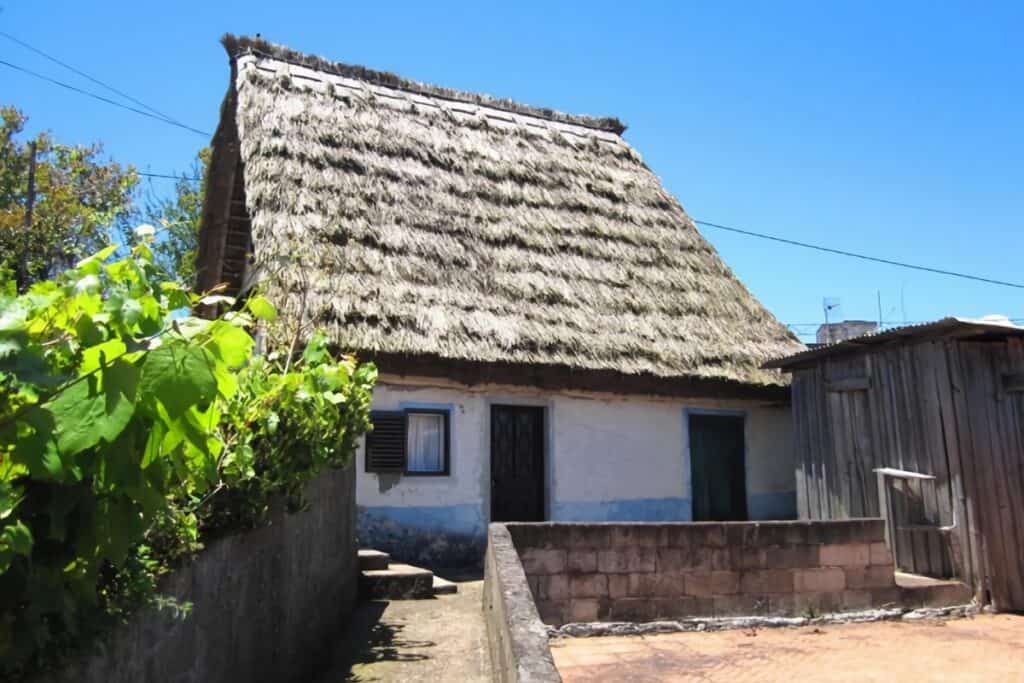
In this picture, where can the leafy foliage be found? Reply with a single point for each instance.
(176, 218)
(77, 197)
(130, 431)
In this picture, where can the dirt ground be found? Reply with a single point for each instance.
(420, 641)
(984, 648)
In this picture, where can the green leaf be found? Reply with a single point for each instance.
(18, 538)
(100, 355)
(231, 344)
(131, 311)
(118, 523)
(97, 408)
(96, 259)
(262, 308)
(179, 376)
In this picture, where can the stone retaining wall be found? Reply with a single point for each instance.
(516, 638)
(268, 606)
(581, 572)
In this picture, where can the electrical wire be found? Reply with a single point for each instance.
(863, 257)
(101, 98)
(95, 80)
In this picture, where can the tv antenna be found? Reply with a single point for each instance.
(829, 304)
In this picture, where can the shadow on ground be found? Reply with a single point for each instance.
(413, 641)
(371, 641)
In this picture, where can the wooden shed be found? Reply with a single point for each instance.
(923, 425)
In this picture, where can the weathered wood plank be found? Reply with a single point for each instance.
(936, 495)
(800, 442)
(823, 440)
(962, 564)
(1010, 461)
(981, 394)
(973, 495)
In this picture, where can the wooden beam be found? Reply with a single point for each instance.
(220, 184)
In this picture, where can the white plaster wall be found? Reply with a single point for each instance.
(599, 448)
(770, 458)
(617, 448)
(469, 452)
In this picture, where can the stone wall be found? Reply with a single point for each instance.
(516, 638)
(267, 605)
(645, 572)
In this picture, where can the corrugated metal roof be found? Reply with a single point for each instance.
(990, 328)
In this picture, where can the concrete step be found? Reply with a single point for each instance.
(397, 582)
(444, 587)
(924, 591)
(373, 559)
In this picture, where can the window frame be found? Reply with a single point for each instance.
(445, 414)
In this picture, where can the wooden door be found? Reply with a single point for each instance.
(717, 468)
(517, 464)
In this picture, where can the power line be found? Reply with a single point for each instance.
(862, 257)
(91, 78)
(101, 98)
(168, 176)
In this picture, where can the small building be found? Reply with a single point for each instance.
(555, 338)
(923, 425)
(830, 333)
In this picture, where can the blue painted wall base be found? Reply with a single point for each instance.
(427, 536)
(630, 510)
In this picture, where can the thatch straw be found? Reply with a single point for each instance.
(432, 224)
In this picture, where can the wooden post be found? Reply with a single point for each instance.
(884, 511)
(21, 274)
(30, 198)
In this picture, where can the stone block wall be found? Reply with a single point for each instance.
(581, 572)
(268, 606)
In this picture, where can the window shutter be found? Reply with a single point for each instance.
(385, 444)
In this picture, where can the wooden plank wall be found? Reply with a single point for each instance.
(914, 412)
(993, 417)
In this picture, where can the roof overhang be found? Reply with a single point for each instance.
(950, 328)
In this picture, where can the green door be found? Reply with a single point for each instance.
(717, 468)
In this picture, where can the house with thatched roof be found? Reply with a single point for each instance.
(556, 340)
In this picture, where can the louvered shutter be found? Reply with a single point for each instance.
(385, 444)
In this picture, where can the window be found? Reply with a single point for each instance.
(413, 442)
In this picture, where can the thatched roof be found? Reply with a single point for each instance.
(432, 223)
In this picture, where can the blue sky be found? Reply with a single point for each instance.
(891, 130)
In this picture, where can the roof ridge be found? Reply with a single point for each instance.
(237, 46)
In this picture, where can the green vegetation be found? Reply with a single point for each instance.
(177, 220)
(75, 199)
(74, 203)
(130, 432)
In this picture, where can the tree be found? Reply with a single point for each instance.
(177, 221)
(74, 199)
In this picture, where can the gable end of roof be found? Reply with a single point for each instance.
(238, 46)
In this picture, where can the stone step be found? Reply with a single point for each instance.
(444, 587)
(923, 591)
(397, 582)
(373, 559)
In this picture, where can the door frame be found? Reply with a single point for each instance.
(547, 447)
(688, 460)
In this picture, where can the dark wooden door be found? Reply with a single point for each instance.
(717, 469)
(517, 464)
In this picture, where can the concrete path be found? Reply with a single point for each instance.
(430, 641)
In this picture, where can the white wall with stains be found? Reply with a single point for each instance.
(608, 458)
